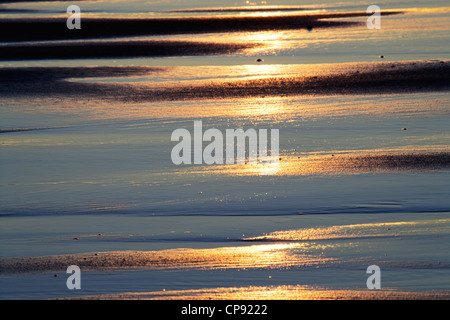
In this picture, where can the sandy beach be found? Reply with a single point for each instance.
(87, 178)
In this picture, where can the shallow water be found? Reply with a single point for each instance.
(362, 177)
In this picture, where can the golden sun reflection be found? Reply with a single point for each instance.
(341, 162)
(273, 41)
(401, 228)
(266, 169)
(270, 256)
(270, 108)
(281, 292)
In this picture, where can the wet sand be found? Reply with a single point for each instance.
(102, 194)
(306, 250)
(50, 29)
(218, 258)
(341, 163)
(361, 78)
(273, 293)
(297, 248)
(118, 49)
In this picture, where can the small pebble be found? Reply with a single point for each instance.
(259, 60)
(403, 128)
(381, 57)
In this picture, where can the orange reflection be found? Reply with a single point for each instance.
(342, 162)
(240, 257)
(273, 41)
(359, 231)
(283, 292)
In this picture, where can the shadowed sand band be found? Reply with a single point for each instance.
(264, 8)
(118, 49)
(55, 28)
(361, 78)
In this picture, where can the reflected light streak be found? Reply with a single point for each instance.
(241, 257)
(359, 231)
(281, 292)
(273, 41)
(339, 163)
